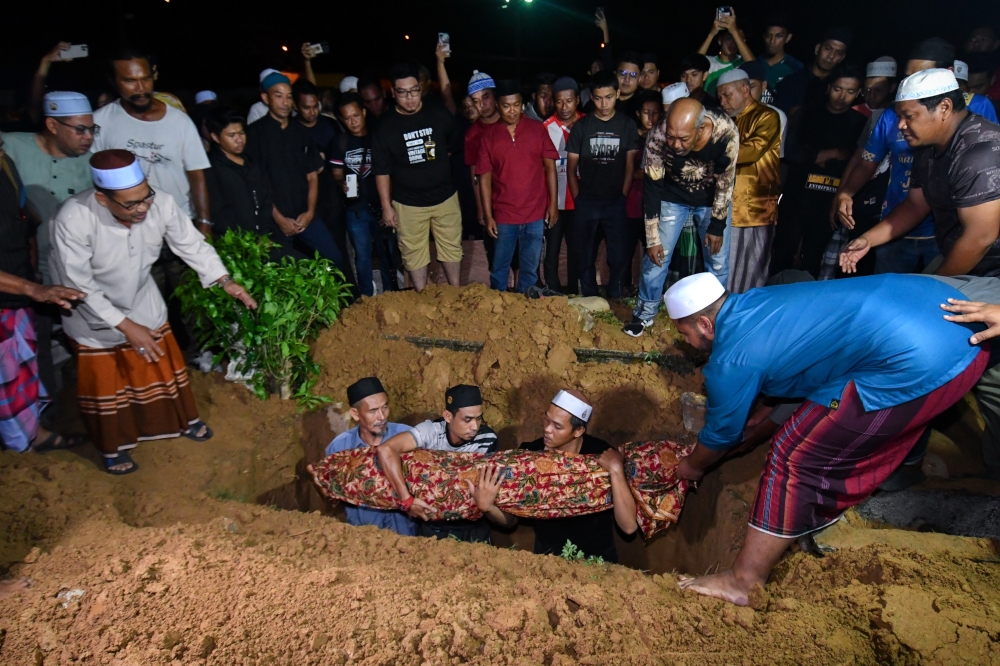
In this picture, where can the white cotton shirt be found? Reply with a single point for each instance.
(433, 435)
(167, 148)
(93, 252)
(784, 129)
(257, 111)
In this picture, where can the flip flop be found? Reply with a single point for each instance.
(54, 443)
(122, 458)
(195, 427)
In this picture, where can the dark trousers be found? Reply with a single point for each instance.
(804, 222)
(553, 246)
(167, 272)
(608, 215)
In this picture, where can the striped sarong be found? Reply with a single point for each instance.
(125, 399)
(749, 257)
(826, 459)
(22, 395)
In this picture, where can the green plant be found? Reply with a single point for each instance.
(295, 300)
(652, 357)
(572, 553)
(608, 317)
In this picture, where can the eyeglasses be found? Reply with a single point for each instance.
(148, 199)
(81, 130)
(414, 92)
(624, 73)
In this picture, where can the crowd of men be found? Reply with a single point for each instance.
(751, 170)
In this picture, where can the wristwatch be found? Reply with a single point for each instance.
(202, 220)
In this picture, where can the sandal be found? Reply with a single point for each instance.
(122, 458)
(59, 442)
(195, 427)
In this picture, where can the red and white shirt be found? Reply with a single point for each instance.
(559, 134)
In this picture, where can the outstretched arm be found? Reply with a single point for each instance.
(389, 457)
(613, 462)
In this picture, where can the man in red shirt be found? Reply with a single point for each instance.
(517, 181)
(567, 100)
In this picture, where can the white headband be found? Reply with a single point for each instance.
(121, 178)
(573, 405)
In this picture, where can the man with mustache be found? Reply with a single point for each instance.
(164, 139)
(370, 410)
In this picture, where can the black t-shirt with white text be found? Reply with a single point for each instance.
(353, 154)
(413, 150)
(592, 533)
(603, 147)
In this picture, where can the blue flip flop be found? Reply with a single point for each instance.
(122, 458)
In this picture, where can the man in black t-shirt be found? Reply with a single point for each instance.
(351, 158)
(600, 164)
(413, 174)
(565, 428)
(956, 176)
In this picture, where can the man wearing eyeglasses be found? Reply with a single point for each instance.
(628, 71)
(131, 376)
(410, 153)
(53, 167)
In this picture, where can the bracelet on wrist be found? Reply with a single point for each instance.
(223, 280)
(407, 503)
(206, 222)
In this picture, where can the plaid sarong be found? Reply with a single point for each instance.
(22, 395)
(536, 485)
(124, 399)
(824, 460)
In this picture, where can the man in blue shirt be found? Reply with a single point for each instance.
(913, 252)
(874, 361)
(370, 410)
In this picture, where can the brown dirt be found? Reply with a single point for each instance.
(528, 356)
(171, 573)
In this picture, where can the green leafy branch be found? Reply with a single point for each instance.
(572, 553)
(296, 300)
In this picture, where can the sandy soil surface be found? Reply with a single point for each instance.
(178, 564)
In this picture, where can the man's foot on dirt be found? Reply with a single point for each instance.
(636, 327)
(723, 585)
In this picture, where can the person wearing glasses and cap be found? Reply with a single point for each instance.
(53, 167)
(564, 428)
(459, 430)
(132, 377)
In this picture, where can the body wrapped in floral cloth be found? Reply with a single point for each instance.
(536, 485)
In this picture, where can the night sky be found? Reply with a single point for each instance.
(210, 44)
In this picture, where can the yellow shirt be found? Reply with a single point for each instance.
(758, 167)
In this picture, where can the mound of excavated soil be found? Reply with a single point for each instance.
(267, 587)
(155, 568)
(526, 358)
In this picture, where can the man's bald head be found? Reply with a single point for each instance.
(684, 121)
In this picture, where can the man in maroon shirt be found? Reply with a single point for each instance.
(517, 180)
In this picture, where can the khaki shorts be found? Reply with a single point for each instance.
(415, 225)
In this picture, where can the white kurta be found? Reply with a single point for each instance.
(93, 252)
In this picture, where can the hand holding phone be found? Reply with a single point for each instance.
(321, 47)
(444, 41)
(74, 51)
(725, 10)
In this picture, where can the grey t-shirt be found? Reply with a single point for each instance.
(432, 435)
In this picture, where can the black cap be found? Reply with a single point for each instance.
(463, 395)
(934, 49)
(507, 87)
(838, 33)
(755, 70)
(363, 388)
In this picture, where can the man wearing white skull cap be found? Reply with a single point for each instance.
(564, 427)
(132, 381)
(956, 176)
(871, 358)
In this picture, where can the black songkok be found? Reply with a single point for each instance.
(363, 388)
(507, 87)
(461, 396)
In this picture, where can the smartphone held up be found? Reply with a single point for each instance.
(74, 51)
(444, 39)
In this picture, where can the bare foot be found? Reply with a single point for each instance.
(12, 586)
(723, 585)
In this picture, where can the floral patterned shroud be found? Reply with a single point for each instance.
(536, 485)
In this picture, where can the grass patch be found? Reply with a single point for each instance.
(573, 554)
(226, 495)
(608, 317)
